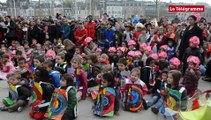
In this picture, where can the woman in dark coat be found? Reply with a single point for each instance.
(191, 30)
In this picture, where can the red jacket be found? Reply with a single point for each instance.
(90, 29)
(80, 33)
(136, 35)
(83, 82)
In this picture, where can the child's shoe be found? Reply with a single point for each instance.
(155, 110)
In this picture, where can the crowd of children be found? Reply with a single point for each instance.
(111, 62)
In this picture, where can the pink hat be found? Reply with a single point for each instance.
(51, 53)
(175, 61)
(194, 41)
(131, 42)
(83, 55)
(13, 52)
(193, 59)
(29, 52)
(131, 53)
(198, 17)
(138, 54)
(143, 46)
(112, 49)
(98, 50)
(162, 55)
(164, 47)
(148, 48)
(154, 56)
(121, 49)
(88, 40)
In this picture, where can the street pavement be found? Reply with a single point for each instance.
(84, 109)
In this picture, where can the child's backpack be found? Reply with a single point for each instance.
(105, 102)
(59, 103)
(133, 98)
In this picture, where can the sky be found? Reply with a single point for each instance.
(186, 1)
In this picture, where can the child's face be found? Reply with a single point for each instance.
(74, 64)
(21, 64)
(38, 47)
(103, 58)
(18, 56)
(170, 79)
(77, 50)
(134, 76)
(4, 60)
(162, 59)
(191, 45)
(144, 31)
(152, 63)
(105, 82)
(49, 58)
(130, 58)
(111, 54)
(121, 66)
(26, 45)
(3, 49)
(63, 82)
(164, 76)
(172, 67)
(162, 50)
(34, 41)
(119, 53)
(191, 65)
(124, 44)
(59, 60)
(170, 43)
(37, 63)
(46, 67)
(14, 80)
(127, 28)
(89, 61)
(131, 47)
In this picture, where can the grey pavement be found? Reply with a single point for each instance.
(84, 109)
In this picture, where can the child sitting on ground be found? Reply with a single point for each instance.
(19, 97)
(127, 89)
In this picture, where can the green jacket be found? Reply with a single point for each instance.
(71, 110)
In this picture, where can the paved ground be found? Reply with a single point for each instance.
(85, 112)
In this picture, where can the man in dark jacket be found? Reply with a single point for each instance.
(191, 30)
(52, 31)
(11, 27)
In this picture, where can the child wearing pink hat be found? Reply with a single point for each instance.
(192, 75)
(192, 50)
(174, 63)
(162, 63)
(132, 45)
(112, 56)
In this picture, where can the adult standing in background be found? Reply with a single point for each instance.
(191, 30)
(90, 26)
(80, 34)
(11, 27)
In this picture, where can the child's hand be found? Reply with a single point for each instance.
(191, 70)
(36, 109)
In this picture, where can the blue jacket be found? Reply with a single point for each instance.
(109, 34)
(65, 30)
(56, 78)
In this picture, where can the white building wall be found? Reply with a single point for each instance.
(114, 11)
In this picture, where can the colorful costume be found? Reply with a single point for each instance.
(132, 94)
(105, 102)
(41, 99)
(63, 103)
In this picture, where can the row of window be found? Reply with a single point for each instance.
(114, 12)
